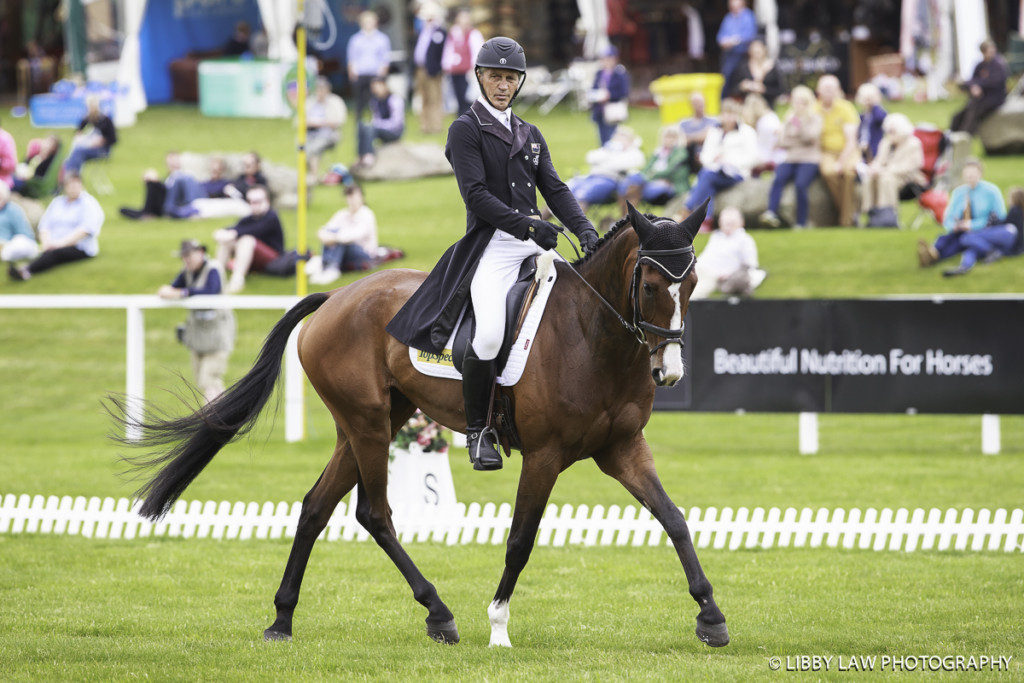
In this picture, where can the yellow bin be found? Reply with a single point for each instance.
(672, 94)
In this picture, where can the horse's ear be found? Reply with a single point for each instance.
(691, 224)
(643, 226)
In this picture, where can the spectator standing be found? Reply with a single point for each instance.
(695, 129)
(94, 138)
(738, 29)
(728, 262)
(609, 95)
(325, 115)
(8, 157)
(68, 230)
(800, 141)
(17, 241)
(209, 334)
(37, 177)
(665, 176)
(349, 239)
(986, 90)
(387, 124)
(975, 217)
(427, 55)
(460, 49)
(839, 152)
(898, 164)
(253, 242)
(869, 133)
(757, 75)
(765, 122)
(369, 55)
(726, 158)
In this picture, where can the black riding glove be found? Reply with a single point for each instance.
(544, 234)
(588, 240)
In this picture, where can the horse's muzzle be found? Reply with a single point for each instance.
(662, 380)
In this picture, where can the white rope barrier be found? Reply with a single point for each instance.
(459, 524)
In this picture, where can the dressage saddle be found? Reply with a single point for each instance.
(517, 303)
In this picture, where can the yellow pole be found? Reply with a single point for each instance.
(300, 38)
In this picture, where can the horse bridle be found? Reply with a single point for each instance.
(640, 327)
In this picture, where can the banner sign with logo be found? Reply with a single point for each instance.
(849, 356)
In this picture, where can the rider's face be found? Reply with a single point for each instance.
(499, 85)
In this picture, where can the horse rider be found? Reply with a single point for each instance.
(500, 161)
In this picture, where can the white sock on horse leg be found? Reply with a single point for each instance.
(497, 612)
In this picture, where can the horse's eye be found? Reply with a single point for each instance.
(648, 289)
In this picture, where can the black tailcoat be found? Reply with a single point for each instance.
(499, 172)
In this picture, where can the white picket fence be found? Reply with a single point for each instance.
(873, 529)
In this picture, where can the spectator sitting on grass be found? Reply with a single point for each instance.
(387, 124)
(172, 197)
(897, 164)
(349, 239)
(208, 333)
(869, 132)
(726, 158)
(695, 129)
(68, 230)
(325, 115)
(665, 176)
(728, 262)
(251, 176)
(609, 164)
(975, 223)
(800, 141)
(17, 241)
(254, 241)
(30, 178)
(93, 139)
(8, 157)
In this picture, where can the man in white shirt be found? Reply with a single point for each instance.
(728, 262)
(349, 238)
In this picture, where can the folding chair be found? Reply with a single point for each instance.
(935, 143)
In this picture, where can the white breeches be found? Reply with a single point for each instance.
(19, 248)
(495, 275)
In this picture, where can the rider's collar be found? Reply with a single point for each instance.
(497, 113)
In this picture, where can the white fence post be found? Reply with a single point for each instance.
(808, 433)
(294, 390)
(135, 372)
(990, 437)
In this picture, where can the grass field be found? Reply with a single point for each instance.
(172, 609)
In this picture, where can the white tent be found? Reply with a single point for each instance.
(278, 18)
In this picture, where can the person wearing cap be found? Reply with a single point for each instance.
(500, 161)
(209, 334)
(609, 96)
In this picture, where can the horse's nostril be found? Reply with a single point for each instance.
(656, 374)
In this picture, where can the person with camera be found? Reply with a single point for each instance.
(208, 333)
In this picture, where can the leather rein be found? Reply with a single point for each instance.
(639, 327)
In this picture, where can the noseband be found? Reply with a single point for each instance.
(640, 326)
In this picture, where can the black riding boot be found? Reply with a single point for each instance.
(477, 384)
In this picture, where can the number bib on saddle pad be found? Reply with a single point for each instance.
(442, 365)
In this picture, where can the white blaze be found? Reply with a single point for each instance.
(672, 355)
(497, 612)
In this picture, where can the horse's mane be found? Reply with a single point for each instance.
(609, 236)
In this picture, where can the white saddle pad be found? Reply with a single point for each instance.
(435, 365)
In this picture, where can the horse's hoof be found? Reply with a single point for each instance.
(715, 635)
(270, 636)
(443, 633)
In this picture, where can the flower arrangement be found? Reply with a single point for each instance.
(422, 431)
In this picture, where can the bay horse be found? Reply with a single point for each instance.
(611, 332)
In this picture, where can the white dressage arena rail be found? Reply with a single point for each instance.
(135, 341)
(459, 524)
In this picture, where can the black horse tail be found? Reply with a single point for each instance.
(194, 440)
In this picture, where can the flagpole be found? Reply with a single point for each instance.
(301, 286)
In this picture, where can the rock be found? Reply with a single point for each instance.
(283, 181)
(1003, 131)
(33, 209)
(405, 161)
(751, 198)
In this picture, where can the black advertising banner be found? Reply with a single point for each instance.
(879, 356)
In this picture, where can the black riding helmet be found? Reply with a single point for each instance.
(501, 53)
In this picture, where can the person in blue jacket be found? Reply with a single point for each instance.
(738, 29)
(611, 87)
(975, 223)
